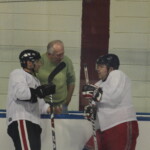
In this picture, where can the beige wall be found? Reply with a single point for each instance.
(130, 39)
(32, 25)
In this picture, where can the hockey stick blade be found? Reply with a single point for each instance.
(58, 68)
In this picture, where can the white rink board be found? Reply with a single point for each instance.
(71, 134)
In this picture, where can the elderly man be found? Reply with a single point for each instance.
(64, 80)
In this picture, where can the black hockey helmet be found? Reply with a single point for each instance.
(110, 60)
(28, 55)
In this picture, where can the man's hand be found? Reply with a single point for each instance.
(56, 109)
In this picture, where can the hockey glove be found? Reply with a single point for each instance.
(45, 90)
(89, 111)
(42, 91)
(92, 91)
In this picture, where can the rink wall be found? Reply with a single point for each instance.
(72, 131)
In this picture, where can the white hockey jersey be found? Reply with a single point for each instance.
(18, 105)
(116, 104)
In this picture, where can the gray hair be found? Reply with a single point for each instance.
(50, 45)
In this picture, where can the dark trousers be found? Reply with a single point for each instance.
(25, 135)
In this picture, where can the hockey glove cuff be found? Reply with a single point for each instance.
(33, 95)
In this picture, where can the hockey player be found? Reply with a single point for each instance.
(25, 102)
(118, 127)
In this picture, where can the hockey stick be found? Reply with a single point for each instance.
(58, 68)
(90, 103)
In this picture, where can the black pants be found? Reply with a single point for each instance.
(25, 135)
